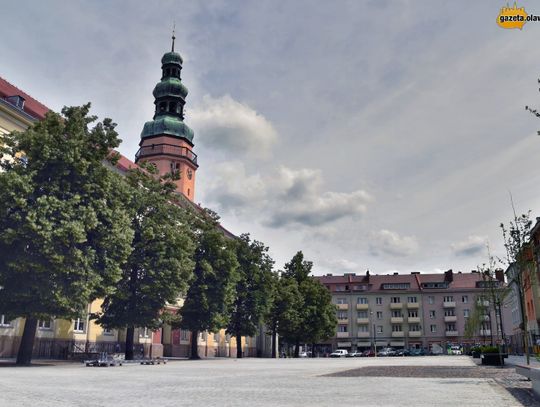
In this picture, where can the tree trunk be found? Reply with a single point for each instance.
(130, 337)
(194, 345)
(24, 355)
(274, 340)
(239, 346)
(297, 349)
(313, 350)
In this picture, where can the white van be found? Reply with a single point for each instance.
(339, 353)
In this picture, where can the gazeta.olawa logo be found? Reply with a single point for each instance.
(514, 17)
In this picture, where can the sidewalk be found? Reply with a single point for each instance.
(522, 360)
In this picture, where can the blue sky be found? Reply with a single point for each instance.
(369, 134)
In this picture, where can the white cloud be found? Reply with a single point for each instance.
(471, 246)
(226, 124)
(283, 198)
(387, 242)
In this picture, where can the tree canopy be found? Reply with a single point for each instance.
(160, 265)
(65, 232)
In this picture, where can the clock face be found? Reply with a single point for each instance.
(189, 173)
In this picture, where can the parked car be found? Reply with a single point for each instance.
(387, 352)
(305, 354)
(417, 352)
(339, 353)
(353, 354)
(367, 354)
(403, 352)
(456, 350)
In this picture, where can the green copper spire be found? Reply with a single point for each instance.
(170, 98)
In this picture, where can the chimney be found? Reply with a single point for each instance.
(415, 272)
(499, 275)
(396, 273)
(367, 275)
(449, 276)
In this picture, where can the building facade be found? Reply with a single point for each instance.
(428, 311)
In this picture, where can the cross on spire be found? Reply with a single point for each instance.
(173, 37)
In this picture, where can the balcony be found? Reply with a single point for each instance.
(413, 305)
(396, 320)
(342, 306)
(396, 305)
(485, 332)
(413, 320)
(166, 149)
(362, 307)
(449, 304)
(451, 333)
(363, 334)
(343, 321)
(342, 334)
(450, 318)
(481, 303)
(415, 334)
(399, 334)
(362, 320)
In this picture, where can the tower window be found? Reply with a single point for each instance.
(162, 106)
(172, 107)
(188, 191)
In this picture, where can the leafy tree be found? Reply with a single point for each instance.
(315, 310)
(318, 313)
(211, 293)
(160, 265)
(252, 291)
(521, 259)
(283, 317)
(65, 233)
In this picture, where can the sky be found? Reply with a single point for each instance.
(380, 135)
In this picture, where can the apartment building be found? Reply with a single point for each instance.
(411, 310)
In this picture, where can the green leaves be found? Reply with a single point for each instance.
(60, 213)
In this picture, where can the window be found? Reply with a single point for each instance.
(143, 333)
(465, 299)
(451, 327)
(413, 314)
(449, 298)
(396, 286)
(45, 324)
(412, 300)
(4, 321)
(449, 312)
(431, 299)
(362, 314)
(363, 328)
(433, 328)
(379, 329)
(340, 288)
(107, 331)
(466, 313)
(362, 300)
(395, 300)
(432, 314)
(341, 315)
(216, 337)
(378, 300)
(341, 301)
(379, 314)
(342, 328)
(414, 328)
(78, 326)
(396, 328)
(184, 334)
(397, 314)
(434, 285)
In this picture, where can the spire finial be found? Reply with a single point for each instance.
(173, 37)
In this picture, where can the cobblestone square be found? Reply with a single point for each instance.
(265, 382)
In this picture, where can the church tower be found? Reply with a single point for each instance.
(166, 141)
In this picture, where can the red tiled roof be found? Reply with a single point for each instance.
(31, 105)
